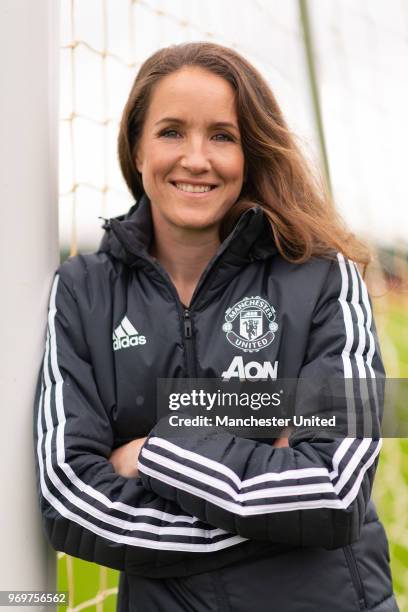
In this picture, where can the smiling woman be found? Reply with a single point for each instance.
(190, 154)
(233, 263)
(192, 167)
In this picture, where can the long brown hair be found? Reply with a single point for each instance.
(303, 218)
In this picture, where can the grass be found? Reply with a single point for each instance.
(391, 484)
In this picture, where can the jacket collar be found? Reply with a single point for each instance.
(128, 237)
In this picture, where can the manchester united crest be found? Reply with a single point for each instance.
(250, 324)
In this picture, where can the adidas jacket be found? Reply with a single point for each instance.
(211, 512)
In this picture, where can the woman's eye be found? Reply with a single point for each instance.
(223, 137)
(169, 133)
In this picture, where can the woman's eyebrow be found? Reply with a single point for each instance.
(216, 124)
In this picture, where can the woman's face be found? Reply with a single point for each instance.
(190, 154)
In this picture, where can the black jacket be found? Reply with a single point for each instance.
(299, 515)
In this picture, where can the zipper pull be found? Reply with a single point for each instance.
(188, 329)
(107, 223)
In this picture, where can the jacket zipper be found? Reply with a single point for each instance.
(188, 340)
(355, 576)
(188, 332)
(189, 344)
(188, 324)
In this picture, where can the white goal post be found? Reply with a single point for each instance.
(29, 57)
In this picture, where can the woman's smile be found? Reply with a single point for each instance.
(193, 189)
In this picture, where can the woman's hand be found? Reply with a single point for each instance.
(124, 459)
(283, 441)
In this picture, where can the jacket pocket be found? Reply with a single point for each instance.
(355, 576)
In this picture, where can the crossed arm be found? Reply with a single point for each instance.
(125, 458)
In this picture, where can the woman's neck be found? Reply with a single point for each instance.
(184, 254)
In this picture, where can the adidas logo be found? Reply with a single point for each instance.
(126, 335)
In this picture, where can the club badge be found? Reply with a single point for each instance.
(250, 324)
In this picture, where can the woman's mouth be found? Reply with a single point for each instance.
(190, 188)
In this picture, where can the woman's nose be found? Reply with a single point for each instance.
(195, 158)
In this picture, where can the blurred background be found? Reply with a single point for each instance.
(339, 71)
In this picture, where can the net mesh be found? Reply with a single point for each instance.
(103, 44)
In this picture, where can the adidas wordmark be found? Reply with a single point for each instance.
(126, 335)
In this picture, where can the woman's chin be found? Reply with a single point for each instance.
(196, 222)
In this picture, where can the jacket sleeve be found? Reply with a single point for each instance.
(315, 491)
(88, 510)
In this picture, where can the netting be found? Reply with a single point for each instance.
(104, 43)
(362, 53)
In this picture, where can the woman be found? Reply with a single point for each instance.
(232, 264)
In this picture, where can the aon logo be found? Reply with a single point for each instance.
(253, 370)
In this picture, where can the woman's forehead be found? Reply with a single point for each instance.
(192, 92)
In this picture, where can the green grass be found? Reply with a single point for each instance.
(85, 580)
(391, 484)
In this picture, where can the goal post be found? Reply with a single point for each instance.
(29, 255)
